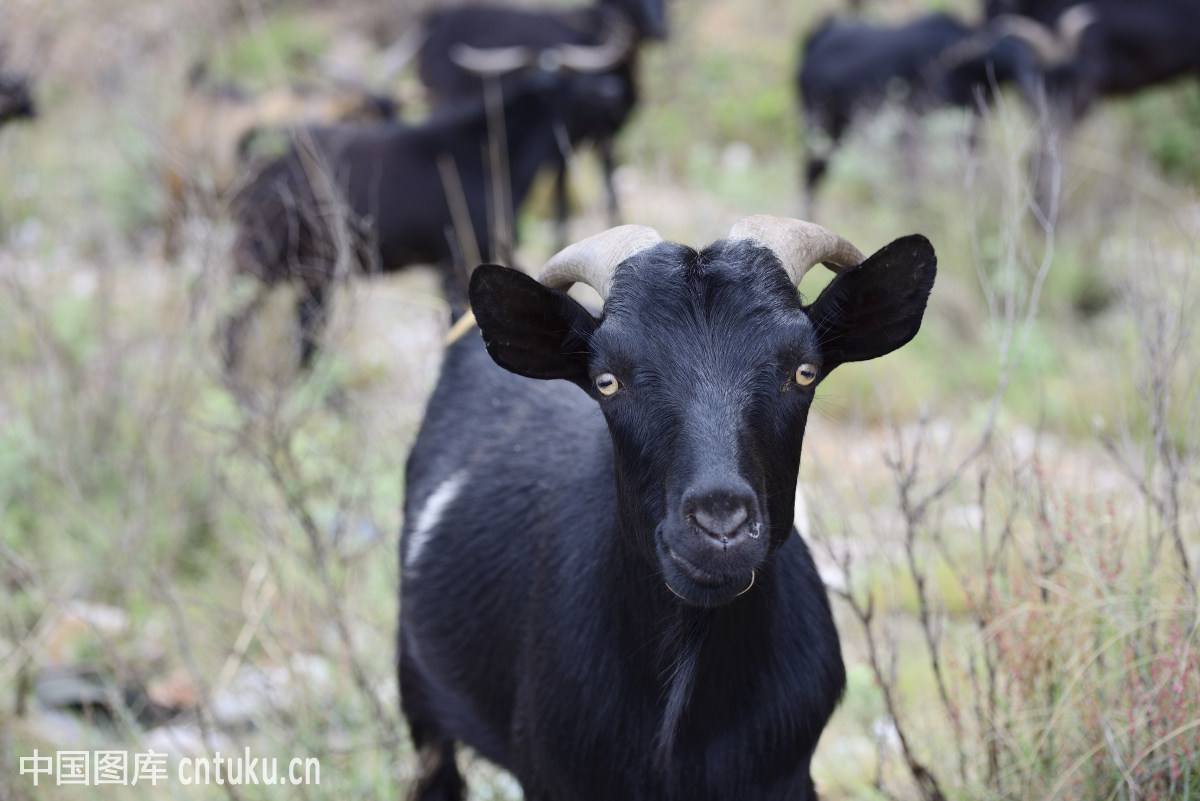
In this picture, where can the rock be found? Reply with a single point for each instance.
(79, 689)
(90, 692)
(185, 740)
(257, 691)
(56, 728)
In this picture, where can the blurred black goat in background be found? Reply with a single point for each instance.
(218, 131)
(1122, 47)
(850, 68)
(381, 197)
(466, 47)
(16, 98)
(1125, 46)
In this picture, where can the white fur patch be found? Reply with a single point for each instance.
(801, 518)
(430, 515)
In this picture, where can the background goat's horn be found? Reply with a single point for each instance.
(491, 60)
(1049, 46)
(617, 42)
(593, 261)
(798, 244)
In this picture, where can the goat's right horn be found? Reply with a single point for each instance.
(613, 48)
(491, 61)
(1051, 47)
(798, 244)
(594, 260)
(1073, 24)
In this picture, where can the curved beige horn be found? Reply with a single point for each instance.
(1051, 47)
(613, 48)
(1073, 24)
(798, 244)
(593, 261)
(491, 61)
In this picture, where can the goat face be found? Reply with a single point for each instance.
(704, 366)
(599, 105)
(648, 16)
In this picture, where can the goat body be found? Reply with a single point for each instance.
(540, 30)
(852, 67)
(385, 196)
(16, 99)
(1125, 46)
(213, 134)
(544, 620)
(1133, 46)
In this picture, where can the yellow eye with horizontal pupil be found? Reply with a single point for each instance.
(806, 374)
(607, 384)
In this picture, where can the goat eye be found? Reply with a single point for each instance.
(806, 374)
(607, 384)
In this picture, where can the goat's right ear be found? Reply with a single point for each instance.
(529, 329)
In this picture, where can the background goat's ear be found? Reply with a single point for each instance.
(876, 307)
(529, 329)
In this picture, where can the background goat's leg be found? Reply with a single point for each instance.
(608, 161)
(310, 317)
(814, 172)
(562, 205)
(235, 327)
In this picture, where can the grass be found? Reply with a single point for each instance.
(235, 536)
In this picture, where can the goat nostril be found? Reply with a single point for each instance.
(720, 523)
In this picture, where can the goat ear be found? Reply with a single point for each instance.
(876, 307)
(529, 329)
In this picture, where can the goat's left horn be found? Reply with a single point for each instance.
(1051, 46)
(617, 42)
(593, 261)
(491, 61)
(1073, 24)
(798, 244)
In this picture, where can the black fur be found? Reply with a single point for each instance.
(562, 613)
(542, 29)
(850, 67)
(378, 195)
(1128, 47)
(16, 98)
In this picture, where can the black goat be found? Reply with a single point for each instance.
(215, 134)
(388, 196)
(16, 99)
(1120, 47)
(849, 68)
(603, 590)
(466, 45)
(1126, 47)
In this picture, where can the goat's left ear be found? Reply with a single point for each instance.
(876, 307)
(529, 329)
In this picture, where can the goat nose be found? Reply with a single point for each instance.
(720, 514)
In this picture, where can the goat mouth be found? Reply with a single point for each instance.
(696, 574)
(696, 586)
